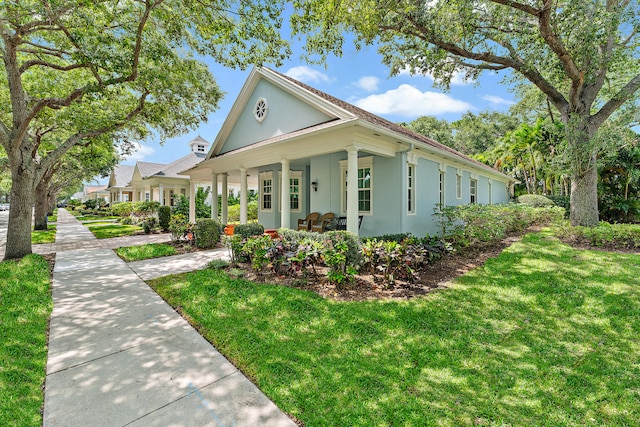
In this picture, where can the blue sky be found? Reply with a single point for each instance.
(359, 78)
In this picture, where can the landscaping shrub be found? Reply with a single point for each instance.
(217, 264)
(563, 202)
(180, 228)
(123, 209)
(535, 200)
(619, 209)
(148, 225)
(164, 216)
(207, 233)
(466, 225)
(248, 230)
(620, 236)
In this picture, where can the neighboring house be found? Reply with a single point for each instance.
(100, 192)
(119, 184)
(329, 156)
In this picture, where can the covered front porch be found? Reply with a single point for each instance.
(322, 172)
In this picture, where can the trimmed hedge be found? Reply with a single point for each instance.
(248, 230)
(535, 200)
(207, 233)
(164, 216)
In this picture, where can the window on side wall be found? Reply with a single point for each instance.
(411, 188)
(266, 191)
(473, 191)
(365, 185)
(459, 186)
(442, 198)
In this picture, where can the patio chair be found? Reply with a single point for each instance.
(324, 223)
(341, 222)
(305, 224)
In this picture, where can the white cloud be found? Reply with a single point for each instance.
(497, 100)
(139, 153)
(368, 83)
(409, 101)
(307, 75)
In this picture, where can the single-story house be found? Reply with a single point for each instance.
(327, 155)
(95, 192)
(119, 186)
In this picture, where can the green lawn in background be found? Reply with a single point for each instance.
(26, 306)
(150, 250)
(44, 236)
(541, 335)
(107, 230)
(96, 218)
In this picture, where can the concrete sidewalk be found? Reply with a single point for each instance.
(120, 356)
(151, 268)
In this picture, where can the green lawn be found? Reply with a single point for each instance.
(541, 335)
(26, 304)
(44, 236)
(150, 250)
(96, 218)
(104, 230)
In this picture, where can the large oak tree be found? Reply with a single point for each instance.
(115, 68)
(582, 54)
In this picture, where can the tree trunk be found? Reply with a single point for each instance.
(41, 205)
(584, 179)
(51, 201)
(19, 228)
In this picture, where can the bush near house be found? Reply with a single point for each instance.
(535, 200)
(181, 229)
(164, 216)
(388, 257)
(605, 235)
(207, 233)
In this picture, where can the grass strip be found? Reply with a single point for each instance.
(542, 334)
(148, 251)
(26, 304)
(44, 236)
(109, 230)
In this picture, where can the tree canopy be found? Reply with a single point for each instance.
(75, 70)
(581, 54)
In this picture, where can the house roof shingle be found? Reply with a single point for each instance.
(122, 175)
(379, 121)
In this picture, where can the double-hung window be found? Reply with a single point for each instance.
(266, 191)
(473, 191)
(411, 188)
(295, 194)
(365, 185)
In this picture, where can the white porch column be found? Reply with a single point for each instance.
(352, 189)
(243, 196)
(285, 198)
(120, 196)
(134, 195)
(192, 201)
(224, 208)
(214, 196)
(161, 195)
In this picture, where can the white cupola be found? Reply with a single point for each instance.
(199, 145)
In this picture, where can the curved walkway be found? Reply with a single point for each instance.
(120, 356)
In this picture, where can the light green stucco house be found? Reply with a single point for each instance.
(330, 156)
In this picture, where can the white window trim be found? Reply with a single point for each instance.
(258, 117)
(363, 162)
(476, 190)
(412, 188)
(292, 175)
(262, 177)
(459, 184)
(442, 186)
(490, 189)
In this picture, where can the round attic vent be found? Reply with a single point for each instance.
(260, 110)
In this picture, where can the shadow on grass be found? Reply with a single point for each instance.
(543, 334)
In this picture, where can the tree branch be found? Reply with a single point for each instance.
(519, 6)
(557, 46)
(530, 73)
(36, 62)
(616, 101)
(73, 140)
